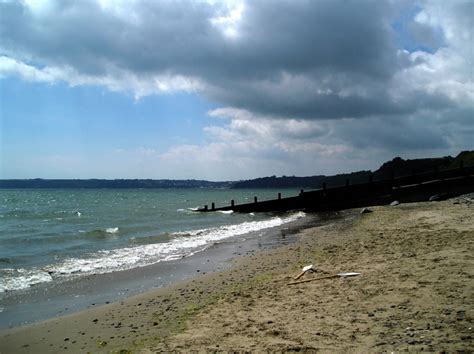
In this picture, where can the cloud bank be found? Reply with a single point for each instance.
(300, 83)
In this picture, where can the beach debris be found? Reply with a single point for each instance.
(365, 211)
(338, 275)
(101, 343)
(434, 198)
(308, 268)
(348, 274)
(394, 203)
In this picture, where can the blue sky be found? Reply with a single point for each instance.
(230, 90)
(90, 123)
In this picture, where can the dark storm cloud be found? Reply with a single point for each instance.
(313, 60)
(398, 135)
(333, 45)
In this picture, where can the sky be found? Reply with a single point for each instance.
(230, 90)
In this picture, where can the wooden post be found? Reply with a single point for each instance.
(232, 203)
(301, 192)
(461, 168)
(213, 206)
(347, 182)
(255, 199)
(436, 171)
(279, 196)
(205, 208)
(324, 185)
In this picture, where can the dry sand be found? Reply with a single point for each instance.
(415, 293)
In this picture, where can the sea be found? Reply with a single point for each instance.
(50, 237)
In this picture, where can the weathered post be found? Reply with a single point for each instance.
(205, 208)
(436, 172)
(255, 200)
(232, 203)
(324, 185)
(301, 192)
(370, 185)
(279, 196)
(213, 207)
(461, 168)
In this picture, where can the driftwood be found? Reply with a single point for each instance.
(339, 275)
(313, 279)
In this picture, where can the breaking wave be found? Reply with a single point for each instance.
(178, 245)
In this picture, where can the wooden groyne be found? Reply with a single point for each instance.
(411, 188)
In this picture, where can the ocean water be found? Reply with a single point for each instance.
(52, 235)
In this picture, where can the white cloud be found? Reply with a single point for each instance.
(250, 145)
(229, 21)
(116, 80)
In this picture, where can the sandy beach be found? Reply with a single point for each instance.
(415, 293)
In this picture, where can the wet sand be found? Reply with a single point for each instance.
(415, 293)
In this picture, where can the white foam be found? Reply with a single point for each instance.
(225, 211)
(181, 244)
(188, 210)
(17, 279)
(112, 230)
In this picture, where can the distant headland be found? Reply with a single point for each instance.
(396, 167)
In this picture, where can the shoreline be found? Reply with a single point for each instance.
(49, 300)
(413, 294)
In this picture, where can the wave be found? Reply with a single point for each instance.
(16, 279)
(188, 210)
(179, 245)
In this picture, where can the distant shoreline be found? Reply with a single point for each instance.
(40, 183)
(395, 168)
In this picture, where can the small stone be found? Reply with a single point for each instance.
(394, 203)
(371, 314)
(365, 211)
(66, 339)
